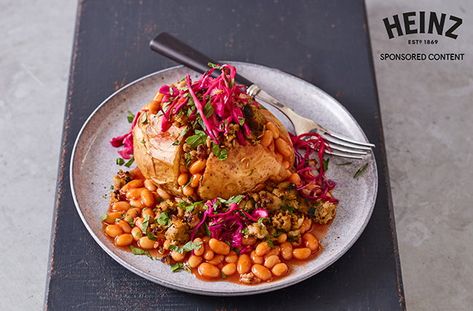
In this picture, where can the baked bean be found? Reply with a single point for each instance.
(282, 238)
(208, 270)
(121, 206)
(136, 203)
(125, 226)
(206, 239)
(262, 249)
(153, 106)
(137, 174)
(163, 194)
(146, 243)
(261, 272)
(195, 180)
(283, 147)
(271, 261)
(199, 251)
(286, 250)
(136, 183)
(256, 258)
(232, 257)
(208, 254)
(301, 253)
(274, 251)
(134, 194)
(147, 211)
(113, 230)
(219, 247)
(133, 212)
(183, 179)
(286, 164)
(280, 269)
(158, 97)
(197, 167)
(295, 179)
(188, 191)
(194, 261)
(267, 138)
(229, 269)
(147, 198)
(129, 220)
(306, 224)
(244, 264)
(176, 256)
(139, 222)
(149, 184)
(136, 233)
(218, 259)
(273, 128)
(112, 216)
(311, 241)
(248, 241)
(124, 239)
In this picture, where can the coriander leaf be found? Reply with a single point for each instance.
(130, 117)
(119, 161)
(260, 220)
(138, 251)
(212, 65)
(235, 199)
(130, 162)
(145, 223)
(177, 267)
(208, 109)
(288, 208)
(150, 236)
(189, 246)
(241, 121)
(103, 217)
(199, 138)
(163, 219)
(270, 243)
(220, 153)
(326, 164)
(360, 171)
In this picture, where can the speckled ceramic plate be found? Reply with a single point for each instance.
(93, 166)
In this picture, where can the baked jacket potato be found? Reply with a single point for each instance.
(158, 155)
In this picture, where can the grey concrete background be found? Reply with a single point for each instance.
(427, 115)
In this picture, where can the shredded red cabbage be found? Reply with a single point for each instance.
(125, 140)
(227, 224)
(312, 187)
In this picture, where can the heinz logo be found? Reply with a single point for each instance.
(422, 22)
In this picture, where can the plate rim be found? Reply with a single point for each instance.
(164, 282)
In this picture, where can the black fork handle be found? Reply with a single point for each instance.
(170, 47)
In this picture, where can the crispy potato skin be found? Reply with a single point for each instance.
(156, 153)
(245, 167)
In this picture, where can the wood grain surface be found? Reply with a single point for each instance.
(323, 42)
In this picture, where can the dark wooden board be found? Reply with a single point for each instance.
(323, 42)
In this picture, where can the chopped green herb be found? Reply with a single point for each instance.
(360, 171)
(145, 223)
(120, 161)
(130, 162)
(178, 266)
(103, 217)
(311, 212)
(241, 121)
(150, 236)
(220, 153)
(187, 158)
(270, 243)
(235, 199)
(138, 251)
(208, 109)
(163, 219)
(189, 246)
(260, 220)
(212, 65)
(130, 117)
(207, 231)
(199, 138)
(245, 231)
(326, 164)
(175, 143)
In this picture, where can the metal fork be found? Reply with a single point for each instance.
(338, 145)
